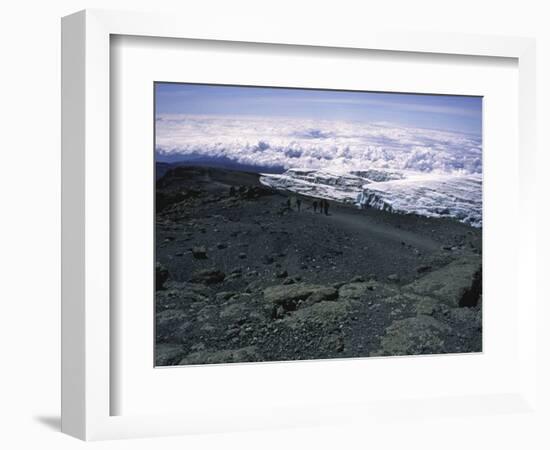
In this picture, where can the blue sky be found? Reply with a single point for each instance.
(440, 112)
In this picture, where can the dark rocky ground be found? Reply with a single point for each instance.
(241, 277)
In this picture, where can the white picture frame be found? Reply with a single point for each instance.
(86, 220)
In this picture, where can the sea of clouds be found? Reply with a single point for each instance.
(316, 144)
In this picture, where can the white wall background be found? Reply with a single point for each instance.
(30, 197)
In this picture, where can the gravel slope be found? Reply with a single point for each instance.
(242, 277)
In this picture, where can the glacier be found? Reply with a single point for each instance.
(457, 196)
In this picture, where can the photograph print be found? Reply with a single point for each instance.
(306, 224)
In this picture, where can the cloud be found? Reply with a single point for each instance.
(317, 144)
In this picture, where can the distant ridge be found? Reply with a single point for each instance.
(164, 163)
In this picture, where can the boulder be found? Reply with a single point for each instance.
(323, 294)
(199, 252)
(418, 304)
(208, 276)
(290, 295)
(354, 290)
(161, 276)
(366, 290)
(414, 336)
(177, 296)
(254, 286)
(453, 283)
(423, 269)
(426, 305)
(324, 316)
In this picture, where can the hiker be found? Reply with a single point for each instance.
(326, 207)
(299, 203)
(314, 206)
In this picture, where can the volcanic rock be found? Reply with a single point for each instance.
(208, 276)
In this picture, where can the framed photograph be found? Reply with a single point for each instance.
(268, 229)
(296, 224)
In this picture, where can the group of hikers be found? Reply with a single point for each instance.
(322, 205)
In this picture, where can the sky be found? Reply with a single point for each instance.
(438, 112)
(271, 129)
